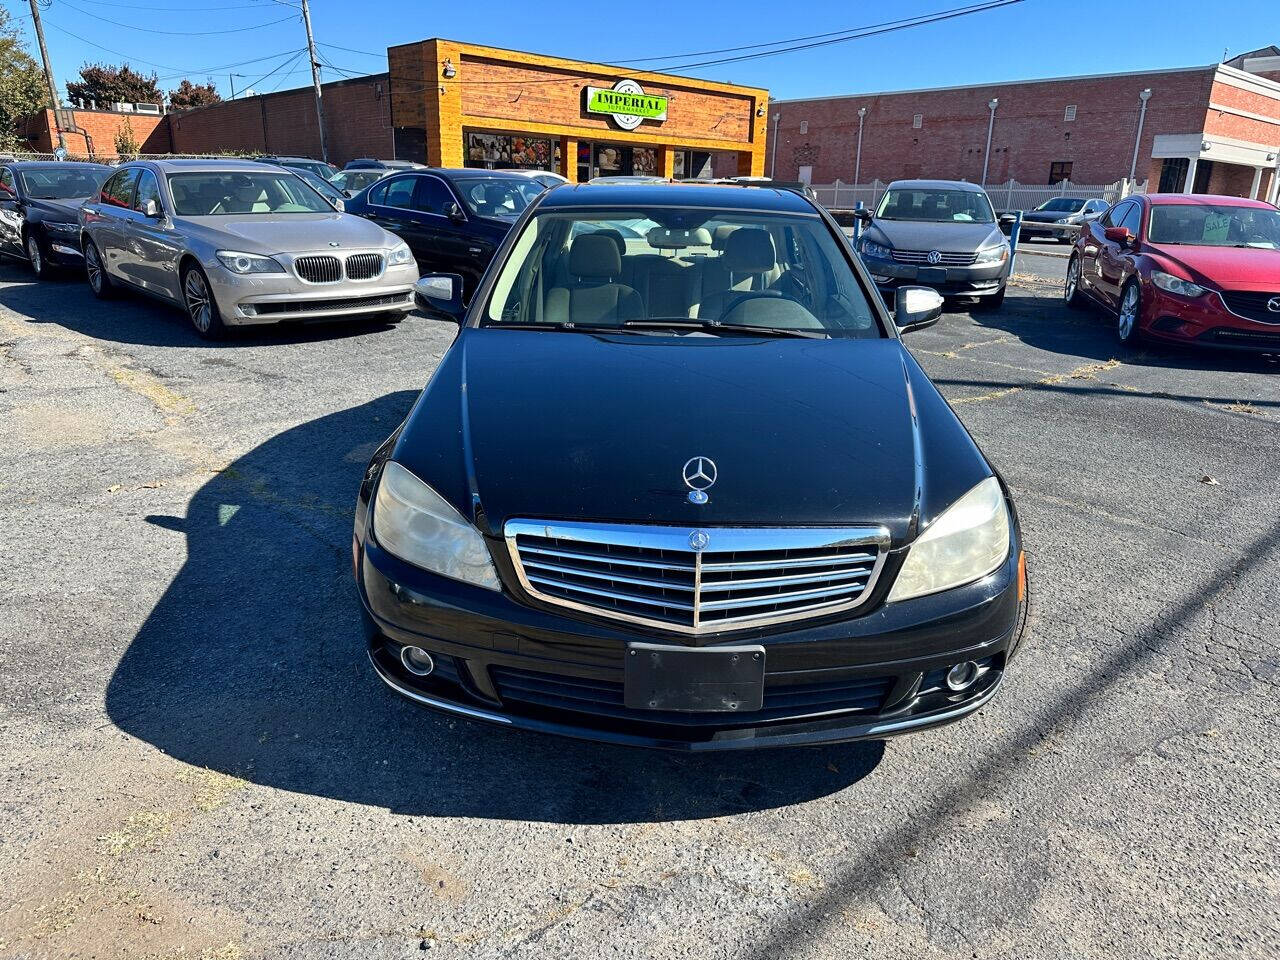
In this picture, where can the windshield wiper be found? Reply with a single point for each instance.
(716, 327)
(562, 327)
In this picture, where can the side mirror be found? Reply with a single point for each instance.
(454, 212)
(916, 308)
(440, 294)
(350, 193)
(151, 210)
(1008, 219)
(1120, 235)
(338, 205)
(863, 214)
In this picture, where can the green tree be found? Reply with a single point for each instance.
(105, 85)
(190, 95)
(22, 86)
(127, 145)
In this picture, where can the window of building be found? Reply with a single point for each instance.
(498, 151)
(917, 121)
(1069, 114)
(1173, 174)
(804, 126)
(1059, 171)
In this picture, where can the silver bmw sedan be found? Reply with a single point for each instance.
(234, 243)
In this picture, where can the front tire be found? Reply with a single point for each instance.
(37, 257)
(1128, 315)
(993, 302)
(1071, 294)
(202, 309)
(96, 272)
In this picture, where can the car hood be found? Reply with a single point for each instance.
(289, 232)
(63, 210)
(1234, 268)
(524, 424)
(947, 237)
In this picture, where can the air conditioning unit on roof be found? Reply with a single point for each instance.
(146, 108)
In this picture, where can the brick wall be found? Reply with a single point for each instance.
(1029, 135)
(357, 121)
(100, 128)
(1227, 124)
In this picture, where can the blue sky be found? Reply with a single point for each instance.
(1033, 38)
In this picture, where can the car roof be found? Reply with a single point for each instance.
(936, 185)
(56, 165)
(211, 165)
(450, 173)
(1195, 199)
(706, 196)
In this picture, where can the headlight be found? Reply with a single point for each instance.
(964, 544)
(413, 522)
(66, 229)
(993, 254)
(1172, 284)
(877, 251)
(248, 262)
(399, 255)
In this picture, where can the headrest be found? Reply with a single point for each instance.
(749, 250)
(594, 256)
(665, 238)
(616, 237)
(722, 234)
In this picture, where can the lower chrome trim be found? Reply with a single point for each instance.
(447, 705)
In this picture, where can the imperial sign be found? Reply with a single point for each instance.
(627, 103)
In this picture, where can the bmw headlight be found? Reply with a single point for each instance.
(413, 522)
(877, 251)
(62, 229)
(1171, 284)
(997, 254)
(966, 543)
(243, 263)
(400, 254)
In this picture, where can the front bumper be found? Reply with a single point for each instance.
(62, 248)
(525, 665)
(975, 281)
(275, 297)
(1204, 321)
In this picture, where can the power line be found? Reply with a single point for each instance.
(141, 6)
(172, 33)
(287, 63)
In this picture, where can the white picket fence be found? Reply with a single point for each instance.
(1010, 195)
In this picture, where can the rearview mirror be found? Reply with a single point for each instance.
(440, 294)
(916, 308)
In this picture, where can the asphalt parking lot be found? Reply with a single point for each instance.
(197, 761)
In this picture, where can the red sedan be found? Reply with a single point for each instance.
(1183, 268)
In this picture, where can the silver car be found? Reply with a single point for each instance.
(234, 242)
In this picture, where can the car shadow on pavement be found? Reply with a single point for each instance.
(135, 318)
(253, 664)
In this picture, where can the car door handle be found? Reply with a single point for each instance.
(475, 251)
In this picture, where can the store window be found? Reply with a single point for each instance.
(499, 151)
(1059, 171)
(1173, 174)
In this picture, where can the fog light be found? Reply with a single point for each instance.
(418, 662)
(962, 676)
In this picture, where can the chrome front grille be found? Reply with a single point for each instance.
(948, 259)
(321, 269)
(743, 577)
(364, 266)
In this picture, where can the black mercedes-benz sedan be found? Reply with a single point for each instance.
(677, 483)
(39, 206)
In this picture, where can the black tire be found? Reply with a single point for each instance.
(96, 272)
(202, 308)
(1129, 313)
(992, 302)
(37, 255)
(1071, 294)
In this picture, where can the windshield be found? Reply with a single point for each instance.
(680, 270)
(236, 194)
(321, 186)
(1214, 225)
(322, 170)
(497, 197)
(1061, 205)
(358, 179)
(936, 206)
(62, 183)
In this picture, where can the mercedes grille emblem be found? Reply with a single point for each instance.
(1274, 304)
(935, 257)
(699, 476)
(698, 540)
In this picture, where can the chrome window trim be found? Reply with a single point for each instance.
(723, 539)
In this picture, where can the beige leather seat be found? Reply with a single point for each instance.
(749, 262)
(594, 295)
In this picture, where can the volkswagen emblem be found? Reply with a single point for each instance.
(1274, 304)
(934, 257)
(699, 476)
(698, 540)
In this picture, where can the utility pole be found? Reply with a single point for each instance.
(232, 78)
(986, 157)
(315, 77)
(857, 163)
(54, 100)
(1144, 96)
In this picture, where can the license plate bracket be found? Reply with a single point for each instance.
(694, 679)
(932, 275)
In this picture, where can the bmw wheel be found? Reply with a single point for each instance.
(1130, 311)
(1071, 294)
(96, 272)
(201, 307)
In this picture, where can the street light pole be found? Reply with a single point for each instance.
(991, 122)
(773, 152)
(54, 101)
(857, 163)
(1144, 96)
(315, 78)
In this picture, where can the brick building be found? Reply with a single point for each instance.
(1210, 129)
(93, 132)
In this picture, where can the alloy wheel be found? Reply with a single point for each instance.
(1128, 317)
(93, 267)
(198, 305)
(1073, 279)
(34, 255)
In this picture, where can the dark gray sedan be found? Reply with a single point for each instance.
(1060, 218)
(937, 233)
